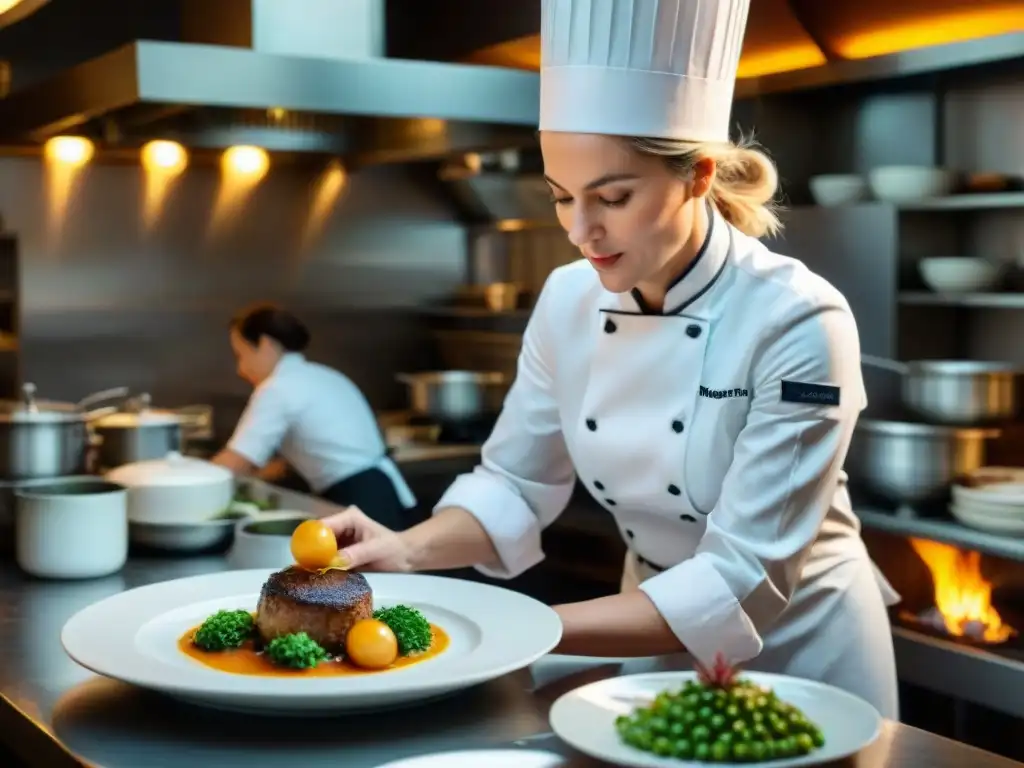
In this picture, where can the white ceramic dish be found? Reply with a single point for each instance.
(176, 489)
(266, 541)
(182, 537)
(983, 521)
(958, 274)
(585, 718)
(133, 637)
(906, 183)
(838, 189)
(483, 758)
(71, 529)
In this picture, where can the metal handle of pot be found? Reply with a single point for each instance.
(98, 397)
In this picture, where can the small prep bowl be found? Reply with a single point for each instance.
(838, 189)
(958, 274)
(907, 183)
(265, 542)
(186, 538)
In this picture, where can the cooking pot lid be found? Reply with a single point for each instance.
(30, 410)
(175, 469)
(123, 420)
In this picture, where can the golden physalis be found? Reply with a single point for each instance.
(314, 546)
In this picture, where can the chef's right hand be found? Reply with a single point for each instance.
(366, 545)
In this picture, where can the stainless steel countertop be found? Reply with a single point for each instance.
(56, 713)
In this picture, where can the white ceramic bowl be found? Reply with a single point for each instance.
(177, 489)
(838, 189)
(265, 542)
(183, 537)
(958, 274)
(906, 183)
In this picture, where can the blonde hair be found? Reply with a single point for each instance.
(745, 184)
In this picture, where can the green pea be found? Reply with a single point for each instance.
(817, 737)
(732, 711)
(700, 733)
(676, 729)
(662, 747)
(725, 738)
(761, 702)
(760, 731)
(756, 717)
(692, 700)
(638, 737)
(741, 751)
(702, 752)
(623, 723)
(739, 727)
(658, 725)
(720, 752)
(689, 717)
(676, 711)
(780, 727)
(682, 749)
(704, 714)
(717, 723)
(804, 743)
(758, 752)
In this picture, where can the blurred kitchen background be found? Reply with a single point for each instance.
(164, 163)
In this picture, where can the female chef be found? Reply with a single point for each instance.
(314, 417)
(704, 389)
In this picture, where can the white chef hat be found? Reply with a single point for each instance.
(652, 68)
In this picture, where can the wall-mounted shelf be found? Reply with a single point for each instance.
(973, 202)
(946, 531)
(981, 300)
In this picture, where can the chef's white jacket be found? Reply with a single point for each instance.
(318, 420)
(715, 434)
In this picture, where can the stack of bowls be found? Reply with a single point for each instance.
(991, 499)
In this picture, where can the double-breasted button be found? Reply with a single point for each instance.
(610, 502)
(674, 489)
(688, 518)
(609, 326)
(599, 485)
(677, 426)
(693, 331)
(591, 425)
(629, 533)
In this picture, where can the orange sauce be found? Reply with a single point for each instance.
(246, 660)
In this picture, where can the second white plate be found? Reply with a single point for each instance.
(585, 718)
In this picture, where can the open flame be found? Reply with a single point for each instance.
(962, 595)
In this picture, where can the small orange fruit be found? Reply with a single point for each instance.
(314, 545)
(371, 644)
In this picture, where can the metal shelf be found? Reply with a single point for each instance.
(989, 300)
(973, 202)
(946, 531)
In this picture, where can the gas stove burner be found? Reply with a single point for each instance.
(931, 622)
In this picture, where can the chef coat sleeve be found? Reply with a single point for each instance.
(777, 490)
(263, 425)
(525, 477)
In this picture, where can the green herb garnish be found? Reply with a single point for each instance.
(298, 651)
(411, 628)
(223, 630)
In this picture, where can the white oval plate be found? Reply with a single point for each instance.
(133, 637)
(585, 718)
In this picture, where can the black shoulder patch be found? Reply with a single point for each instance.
(803, 392)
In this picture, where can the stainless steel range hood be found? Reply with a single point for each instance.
(505, 188)
(303, 75)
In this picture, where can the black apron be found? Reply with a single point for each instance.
(374, 493)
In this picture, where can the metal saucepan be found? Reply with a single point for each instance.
(955, 391)
(140, 433)
(456, 396)
(909, 463)
(42, 438)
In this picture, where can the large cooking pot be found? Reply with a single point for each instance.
(456, 396)
(955, 391)
(141, 433)
(908, 463)
(43, 438)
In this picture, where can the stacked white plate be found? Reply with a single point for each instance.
(992, 500)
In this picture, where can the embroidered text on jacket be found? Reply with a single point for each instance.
(720, 394)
